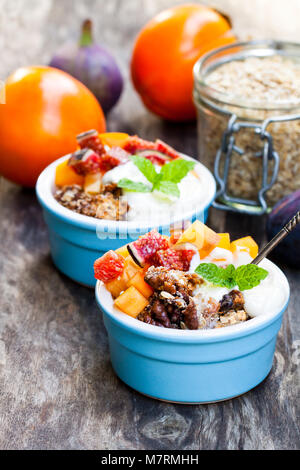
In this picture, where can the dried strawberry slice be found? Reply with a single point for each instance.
(113, 157)
(143, 249)
(135, 143)
(109, 266)
(91, 141)
(173, 259)
(85, 161)
(155, 157)
(162, 147)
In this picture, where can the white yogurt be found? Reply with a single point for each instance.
(157, 207)
(219, 256)
(269, 296)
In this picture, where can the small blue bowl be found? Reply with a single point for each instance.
(185, 366)
(77, 240)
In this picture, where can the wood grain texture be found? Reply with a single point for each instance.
(57, 387)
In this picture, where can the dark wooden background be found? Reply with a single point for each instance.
(57, 387)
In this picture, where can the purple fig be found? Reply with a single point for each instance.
(93, 66)
(288, 251)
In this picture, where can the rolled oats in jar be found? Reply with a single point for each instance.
(243, 93)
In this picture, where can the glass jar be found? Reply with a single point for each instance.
(248, 104)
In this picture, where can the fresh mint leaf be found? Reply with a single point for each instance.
(245, 277)
(145, 166)
(168, 187)
(165, 181)
(133, 186)
(228, 276)
(209, 272)
(176, 170)
(249, 276)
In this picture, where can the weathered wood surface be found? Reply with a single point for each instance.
(57, 387)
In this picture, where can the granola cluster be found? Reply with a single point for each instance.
(105, 205)
(174, 304)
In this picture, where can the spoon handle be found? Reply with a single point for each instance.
(278, 237)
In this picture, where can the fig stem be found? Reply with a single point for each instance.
(86, 38)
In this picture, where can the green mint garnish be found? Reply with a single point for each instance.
(249, 275)
(146, 167)
(245, 277)
(165, 182)
(133, 186)
(176, 170)
(167, 187)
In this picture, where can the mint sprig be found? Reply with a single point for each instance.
(165, 182)
(249, 275)
(133, 186)
(168, 187)
(146, 167)
(245, 277)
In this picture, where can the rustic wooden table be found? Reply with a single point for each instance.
(57, 387)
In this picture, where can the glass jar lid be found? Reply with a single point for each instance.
(242, 90)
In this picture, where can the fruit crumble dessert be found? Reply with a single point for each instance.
(194, 279)
(115, 176)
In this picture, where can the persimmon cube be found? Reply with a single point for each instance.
(116, 286)
(199, 235)
(245, 244)
(122, 251)
(139, 283)
(224, 241)
(177, 229)
(131, 302)
(109, 266)
(204, 253)
(130, 268)
(114, 139)
(65, 175)
(92, 183)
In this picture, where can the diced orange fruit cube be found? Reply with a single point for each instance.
(245, 244)
(116, 286)
(199, 235)
(204, 253)
(114, 139)
(65, 175)
(92, 183)
(131, 302)
(122, 251)
(224, 241)
(177, 229)
(131, 268)
(138, 281)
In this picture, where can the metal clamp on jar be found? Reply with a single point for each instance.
(248, 101)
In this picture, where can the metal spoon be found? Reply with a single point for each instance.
(277, 239)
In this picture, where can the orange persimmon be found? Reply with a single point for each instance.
(224, 242)
(44, 111)
(131, 301)
(114, 139)
(165, 52)
(123, 251)
(65, 175)
(139, 283)
(245, 244)
(116, 286)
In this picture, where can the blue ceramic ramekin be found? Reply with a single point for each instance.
(186, 366)
(77, 240)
